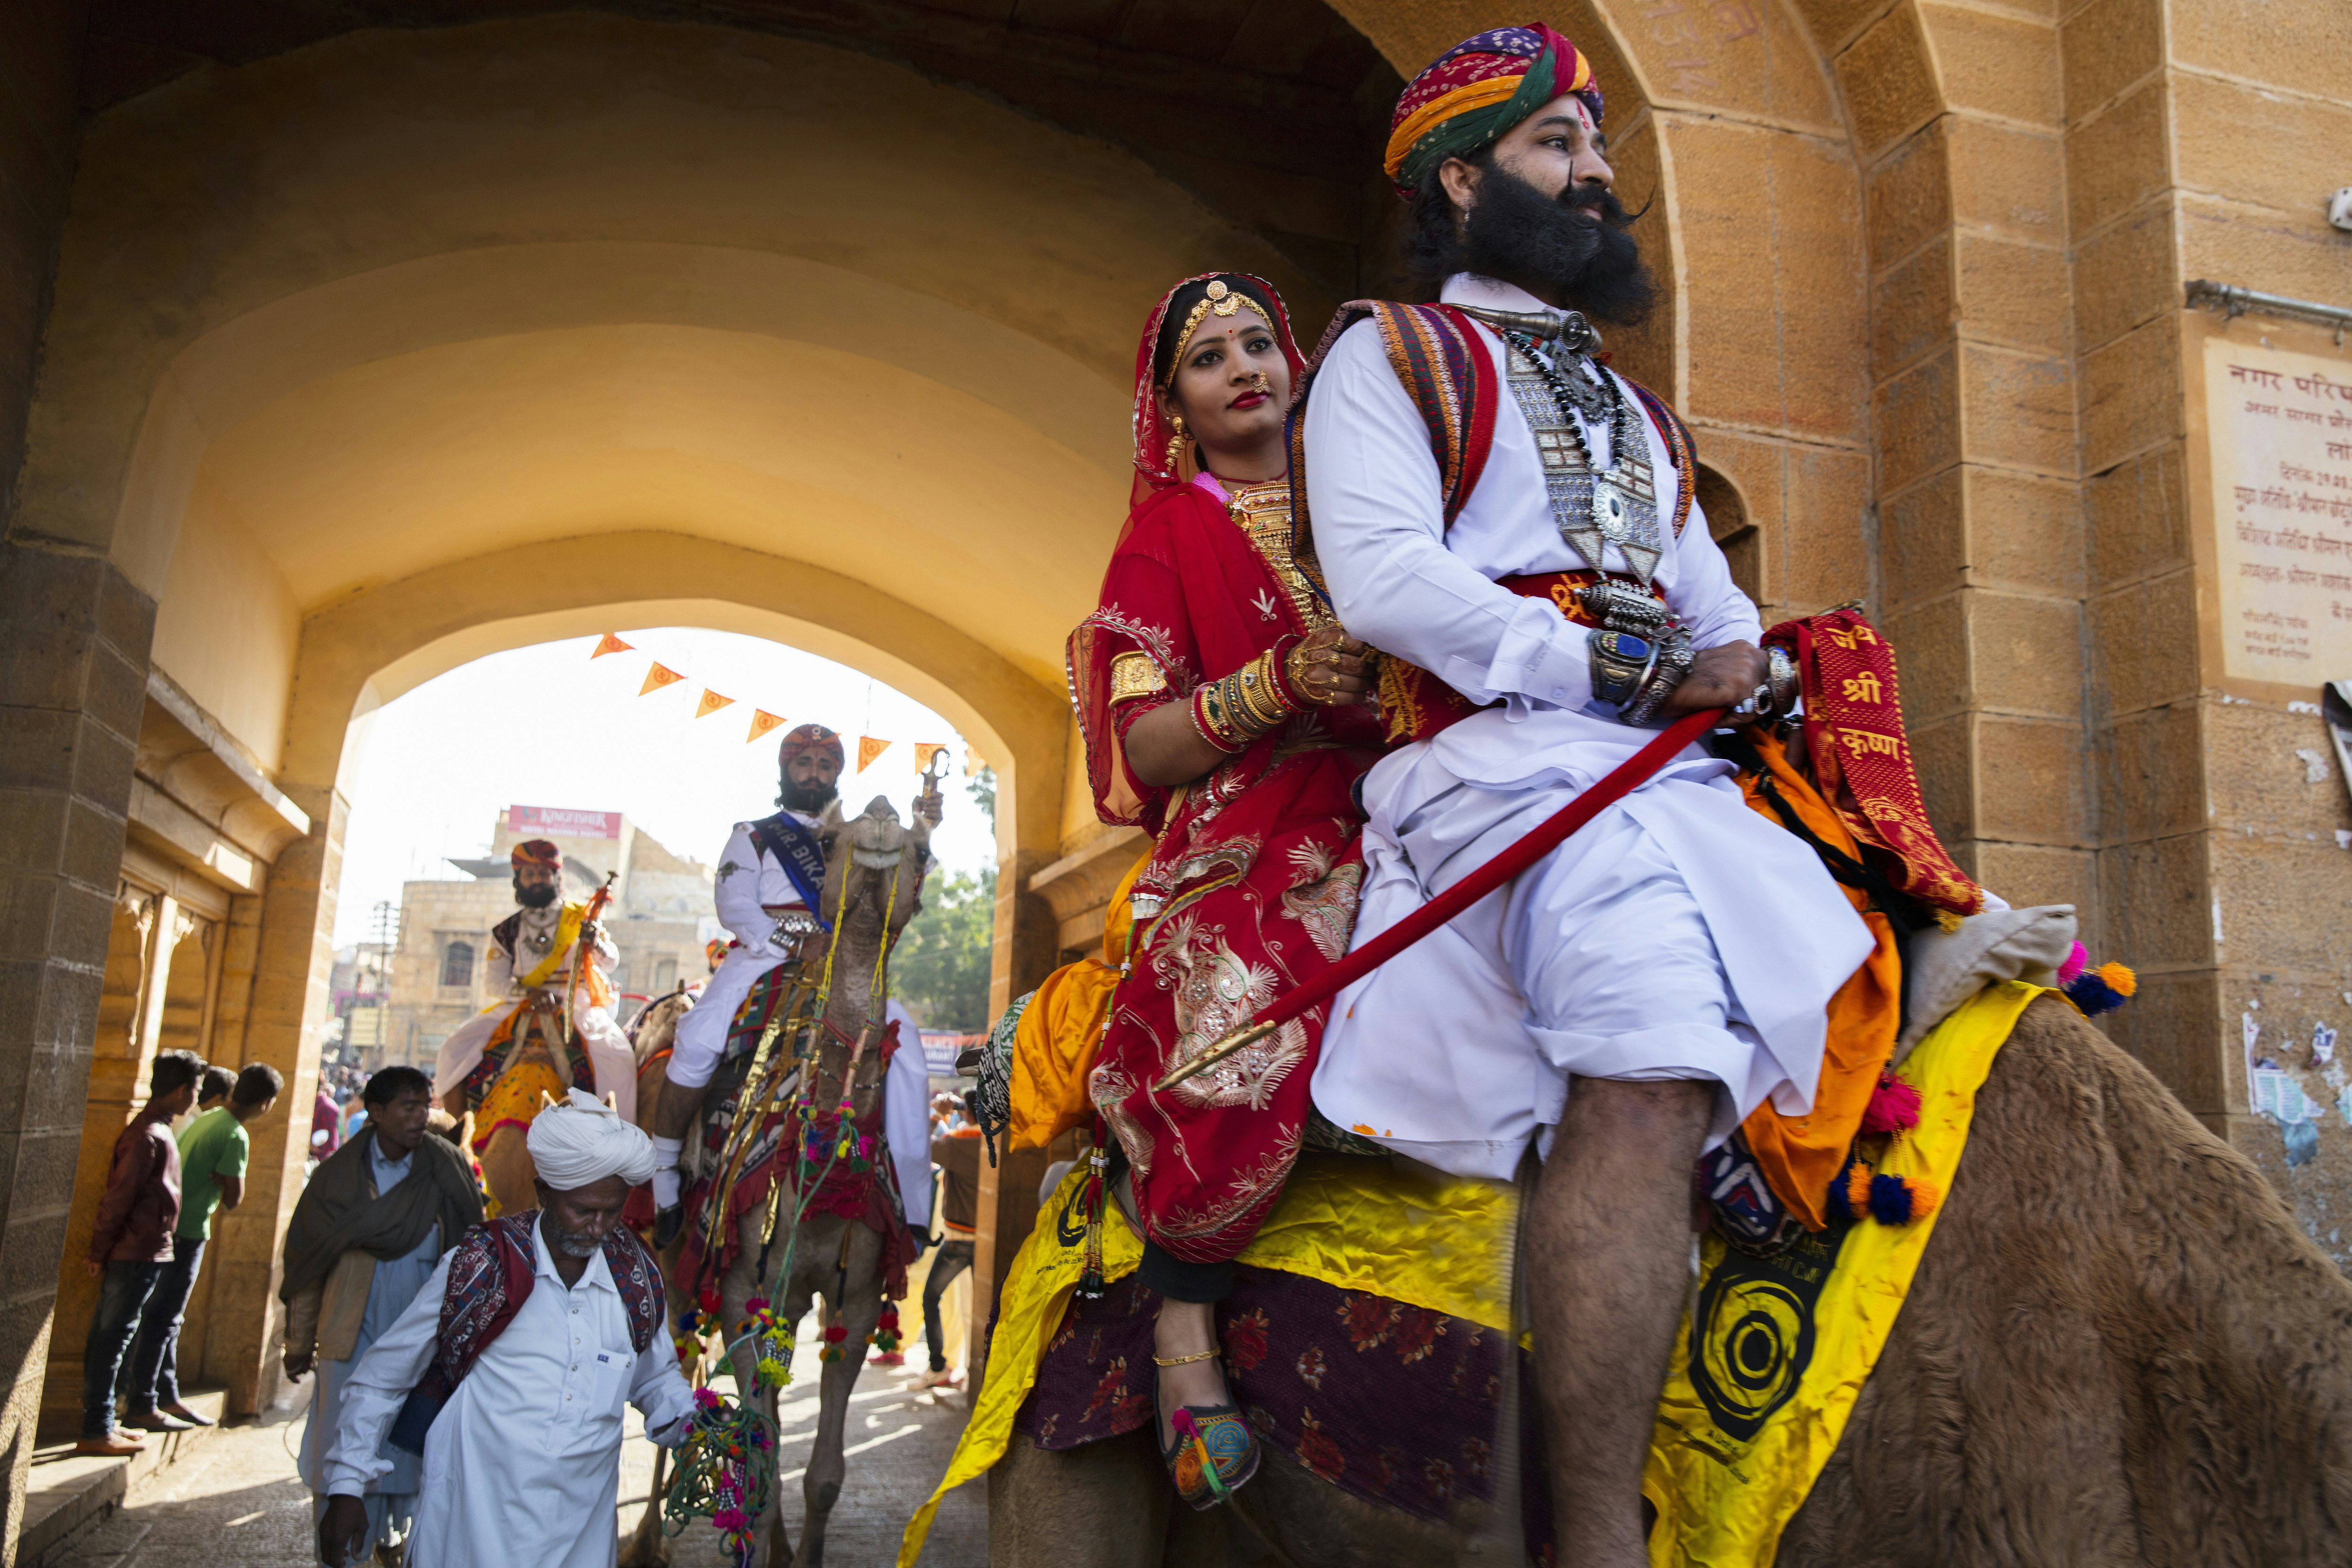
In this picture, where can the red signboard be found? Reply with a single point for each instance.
(555, 822)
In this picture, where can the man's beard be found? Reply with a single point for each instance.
(1575, 247)
(810, 797)
(571, 1243)
(534, 895)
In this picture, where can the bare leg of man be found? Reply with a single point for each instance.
(1608, 1268)
(675, 1111)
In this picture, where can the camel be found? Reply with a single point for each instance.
(2120, 1349)
(873, 869)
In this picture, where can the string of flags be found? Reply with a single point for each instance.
(869, 747)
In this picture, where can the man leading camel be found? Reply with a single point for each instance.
(528, 1340)
(550, 1030)
(1510, 523)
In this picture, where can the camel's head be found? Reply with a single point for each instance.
(873, 869)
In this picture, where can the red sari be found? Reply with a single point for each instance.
(1257, 867)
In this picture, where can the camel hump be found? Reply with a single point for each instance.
(2113, 1297)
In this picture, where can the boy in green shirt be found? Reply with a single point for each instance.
(214, 1150)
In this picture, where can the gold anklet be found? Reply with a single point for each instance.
(1181, 1360)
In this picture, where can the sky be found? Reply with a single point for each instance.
(548, 725)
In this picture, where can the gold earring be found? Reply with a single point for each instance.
(1176, 442)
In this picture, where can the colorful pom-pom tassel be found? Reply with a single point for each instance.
(2102, 990)
(1849, 1195)
(1899, 1200)
(2077, 960)
(1889, 1200)
(1893, 1106)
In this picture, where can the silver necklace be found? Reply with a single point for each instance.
(1593, 507)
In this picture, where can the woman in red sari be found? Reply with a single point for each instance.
(1224, 713)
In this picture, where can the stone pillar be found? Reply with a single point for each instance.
(1973, 415)
(1025, 953)
(74, 626)
(72, 672)
(139, 954)
(291, 955)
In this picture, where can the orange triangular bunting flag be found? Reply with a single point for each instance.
(762, 723)
(657, 678)
(608, 643)
(869, 748)
(712, 704)
(925, 750)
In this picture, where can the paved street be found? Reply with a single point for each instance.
(238, 1501)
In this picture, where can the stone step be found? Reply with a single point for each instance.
(70, 1492)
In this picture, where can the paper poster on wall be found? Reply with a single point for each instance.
(2280, 426)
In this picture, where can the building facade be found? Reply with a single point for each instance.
(660, 917)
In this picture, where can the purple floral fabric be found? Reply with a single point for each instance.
(1396, 1403)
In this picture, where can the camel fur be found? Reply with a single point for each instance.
(2120, 1349)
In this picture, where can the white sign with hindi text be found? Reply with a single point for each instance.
(2281, 428)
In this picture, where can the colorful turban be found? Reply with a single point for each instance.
(807, 738)
(714, 952)
(1476, 92)
(536, 852)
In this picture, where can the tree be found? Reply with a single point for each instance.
(941, 967)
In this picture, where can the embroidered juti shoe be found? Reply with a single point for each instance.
(1213, 1453)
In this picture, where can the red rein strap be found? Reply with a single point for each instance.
(1621, 781)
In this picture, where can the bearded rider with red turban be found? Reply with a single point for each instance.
(768, 888)
(550, 1028)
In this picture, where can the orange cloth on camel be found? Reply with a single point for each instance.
(513, 1097)
(1801, 1155)
(1054, 1048)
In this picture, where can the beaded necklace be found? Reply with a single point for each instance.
(1593, 507)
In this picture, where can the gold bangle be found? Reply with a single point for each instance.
(1212, 719)
(1264, 698)
(1187, 1360)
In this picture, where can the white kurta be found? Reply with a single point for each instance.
(1704, 943)
(524, 1463)
(609, 1053)
(751, 889)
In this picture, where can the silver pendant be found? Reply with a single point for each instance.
(1610, 506)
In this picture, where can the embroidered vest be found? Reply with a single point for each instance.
(1451, 379)
(491, 1274)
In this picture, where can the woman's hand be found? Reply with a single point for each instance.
(1328, 668)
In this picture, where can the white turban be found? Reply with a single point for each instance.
(581, 1141)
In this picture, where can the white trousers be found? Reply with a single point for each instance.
(701, 1037)
(1607, 959)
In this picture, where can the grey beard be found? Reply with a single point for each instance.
(571, 1244)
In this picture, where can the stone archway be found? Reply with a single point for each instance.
(305, 288)
(410, 343)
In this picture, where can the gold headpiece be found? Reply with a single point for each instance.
(1224, 301)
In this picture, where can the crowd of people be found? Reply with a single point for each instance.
(156, 1214)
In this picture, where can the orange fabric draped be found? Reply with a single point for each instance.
(1800, 1155)
(1053, 1049)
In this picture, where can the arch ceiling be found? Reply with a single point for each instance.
(440, 303)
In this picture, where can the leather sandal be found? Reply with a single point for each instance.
(1213, 1453)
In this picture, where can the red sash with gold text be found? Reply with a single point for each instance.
(1862, 757)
